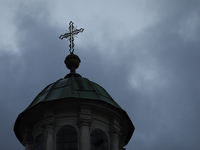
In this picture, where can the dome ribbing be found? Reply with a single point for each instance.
(73, 86)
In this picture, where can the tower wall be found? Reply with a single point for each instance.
(82, 115)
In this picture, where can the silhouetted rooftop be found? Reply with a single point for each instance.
(73, 86)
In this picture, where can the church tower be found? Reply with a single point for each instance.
(73, 113)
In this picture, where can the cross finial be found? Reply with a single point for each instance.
(72, 31)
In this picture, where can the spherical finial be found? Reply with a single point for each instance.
(72, 62)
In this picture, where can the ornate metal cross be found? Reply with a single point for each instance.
(72, 31)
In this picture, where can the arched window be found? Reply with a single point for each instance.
(98, 140)
(39, 142)
(67, 139)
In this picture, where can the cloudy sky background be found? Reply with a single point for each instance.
(145, 53)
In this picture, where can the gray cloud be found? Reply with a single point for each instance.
(152, 72)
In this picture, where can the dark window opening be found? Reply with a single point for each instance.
(67, 139)
(98, 140)
(39, 142)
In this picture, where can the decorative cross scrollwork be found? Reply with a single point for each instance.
(72, 32)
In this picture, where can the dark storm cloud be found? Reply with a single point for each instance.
(173, 120)
(168, 119)
(24, 75)
(153, 75)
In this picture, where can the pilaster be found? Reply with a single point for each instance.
(85, 119)
(49, 121)
(115, 134)
(28, 139)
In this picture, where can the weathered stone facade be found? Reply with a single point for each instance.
(83, 115)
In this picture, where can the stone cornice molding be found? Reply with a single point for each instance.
(28, 137)
(85, 116)
(115, 127)
(48, 119)
(84, 119)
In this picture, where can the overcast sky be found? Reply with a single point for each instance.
(145, 53)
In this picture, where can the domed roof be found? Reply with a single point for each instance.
(73, 86)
